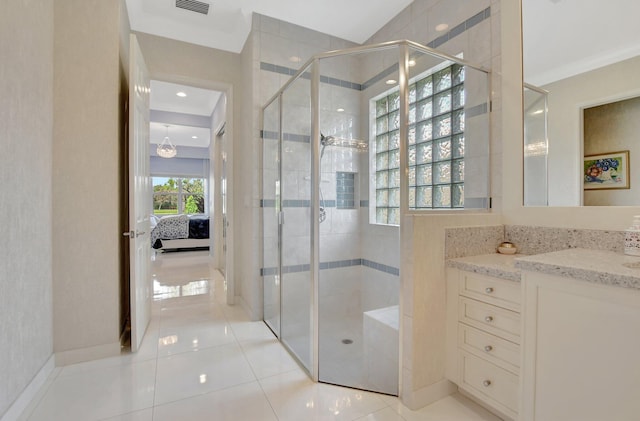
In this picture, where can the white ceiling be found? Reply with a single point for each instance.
(228, 23)
(563, 38)
(199, 102)
(180, 135)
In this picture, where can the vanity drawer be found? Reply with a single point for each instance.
(500, 292)
(489, 383)
(492, 319)
(490, 347)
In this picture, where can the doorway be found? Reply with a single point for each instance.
(184, 120)
(187, 117)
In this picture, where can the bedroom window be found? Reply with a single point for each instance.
(176, 195)
(436, 145)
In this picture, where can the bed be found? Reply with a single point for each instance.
(180, 232)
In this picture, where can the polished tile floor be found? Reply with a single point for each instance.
(204, 360)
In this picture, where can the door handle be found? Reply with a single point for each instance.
(133, 234)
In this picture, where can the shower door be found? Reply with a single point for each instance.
(286, 185)
(270, 215)
(295, 247)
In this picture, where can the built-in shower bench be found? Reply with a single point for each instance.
(380, 336)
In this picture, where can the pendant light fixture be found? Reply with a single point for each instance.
(166, 149)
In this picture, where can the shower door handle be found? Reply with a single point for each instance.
(281, 218)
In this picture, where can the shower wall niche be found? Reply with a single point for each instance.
(331, 243)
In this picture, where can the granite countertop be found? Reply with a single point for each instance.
(597, 266)
(495, 264)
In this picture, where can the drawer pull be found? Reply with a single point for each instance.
(486, 383)
(488, 348)
(488, 319)
(488, 290)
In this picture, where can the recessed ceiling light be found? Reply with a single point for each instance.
(391, 82)
(295, 59)
(412, 63)
(181, 94)
(340, 110)
(194, 137)
(442, 27)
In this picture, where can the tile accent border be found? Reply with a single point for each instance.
(381, 267)
(323, 79)
(290, 137)
(461, 28)
(391, 270)
(271, 203)
(454, 32)
(457, 30)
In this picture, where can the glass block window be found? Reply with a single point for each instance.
(435, 145)
(345, 190)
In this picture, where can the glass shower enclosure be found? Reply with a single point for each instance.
(351, 143)
(536, 146)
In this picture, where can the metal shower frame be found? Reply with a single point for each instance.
(404, 47)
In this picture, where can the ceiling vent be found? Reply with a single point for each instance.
(194, 6)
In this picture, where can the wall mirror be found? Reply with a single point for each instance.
(581, 55)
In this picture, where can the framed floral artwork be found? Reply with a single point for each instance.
(606, 171)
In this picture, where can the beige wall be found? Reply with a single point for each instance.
(609, 128)
(170, 60)
(26, 119)
(86, 184)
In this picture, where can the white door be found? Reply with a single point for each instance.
(139, 196)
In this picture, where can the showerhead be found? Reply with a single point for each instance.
(343, 143)
(327, 140)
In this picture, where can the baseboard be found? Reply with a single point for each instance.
(87, 354)
(240, 301)
(428, 395)
(490, 409)
(30, 393)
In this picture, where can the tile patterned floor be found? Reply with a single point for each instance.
(204, 360)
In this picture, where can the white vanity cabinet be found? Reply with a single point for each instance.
(581, 350)
(483, 338)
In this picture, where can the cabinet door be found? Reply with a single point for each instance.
(581, 349)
